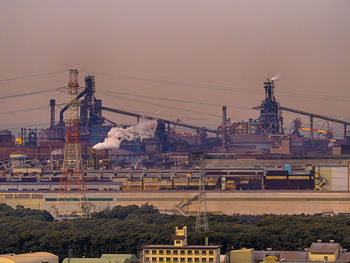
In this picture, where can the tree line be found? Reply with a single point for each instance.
(127, 229)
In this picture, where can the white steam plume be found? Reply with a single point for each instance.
(276, 77)
(117, 134)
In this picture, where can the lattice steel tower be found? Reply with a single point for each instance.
(202, 218)
(71, 200)
(72, 147)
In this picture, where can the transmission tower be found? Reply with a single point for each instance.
(71, 200)
(202, 218)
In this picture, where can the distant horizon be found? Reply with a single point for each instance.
(209, 53)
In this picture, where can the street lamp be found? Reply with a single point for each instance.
(306, 253)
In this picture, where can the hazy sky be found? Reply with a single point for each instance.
(228, 48)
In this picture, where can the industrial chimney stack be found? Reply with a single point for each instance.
(52, 112)
(224, 129)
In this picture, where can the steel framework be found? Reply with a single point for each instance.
(202, 218)
(71, 200)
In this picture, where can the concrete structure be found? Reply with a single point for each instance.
(37, 257)
(180, 252)
(18, 164)
(185, 202)
(333, 177)
(105, 258)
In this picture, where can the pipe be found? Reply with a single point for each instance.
(142, 116)
(70, 104)
(345, 131)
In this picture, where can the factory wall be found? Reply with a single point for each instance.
(185, 202)
(335, 178)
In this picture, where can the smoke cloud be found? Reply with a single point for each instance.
(117, 134)
(276, 77)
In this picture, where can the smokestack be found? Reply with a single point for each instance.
(52, 113)
(224, 129)
(224, 116)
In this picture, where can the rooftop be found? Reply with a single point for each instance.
(183, 247)
(325, 248)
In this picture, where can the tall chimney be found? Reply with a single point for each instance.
(224, 129)
(52, 112)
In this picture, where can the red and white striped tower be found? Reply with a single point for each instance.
(71, 200)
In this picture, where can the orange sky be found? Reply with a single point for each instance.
(235, 44)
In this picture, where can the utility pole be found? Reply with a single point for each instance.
(202, 218)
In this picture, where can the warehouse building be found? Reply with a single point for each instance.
(37, 257)
(318, 252)
(105, 258)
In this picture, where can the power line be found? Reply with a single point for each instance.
(223, 87)
(24, 110)
(34, 75)
(175, 100)
(228, 88)
(160, 105)
(27, 94)
(176, 83)
(173, 116)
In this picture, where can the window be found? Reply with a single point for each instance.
(196, 252)
(182, 259)
(189, 252)
(182, 252)
(178, 242)
(211, 260)
(168, 259)
(196, 259)
(189, 259)
(211, 252)
(168, 252)
(146, 258)
(161, 259)
(161, 252)
(204, 252)
(154, 251)
(175, 252)
(146, 251)
(175, 259)
(154, 259)
(204, 260)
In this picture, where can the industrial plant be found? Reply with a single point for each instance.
(85, 162)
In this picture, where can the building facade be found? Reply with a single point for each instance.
(180, 251)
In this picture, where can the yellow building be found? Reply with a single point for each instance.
(326, 252)
(242, 256)
(180, 251)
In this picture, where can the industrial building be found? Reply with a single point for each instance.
(35, 257)
(40, 166)
(264, 135)
(318, 252)
(180, 251)
(105, 258)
